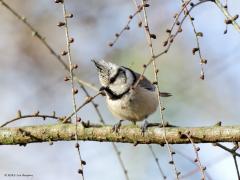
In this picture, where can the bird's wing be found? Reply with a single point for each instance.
(145, 83)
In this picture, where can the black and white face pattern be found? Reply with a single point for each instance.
(122, 81)
(115, 79)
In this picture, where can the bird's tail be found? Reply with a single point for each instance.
(165, 94)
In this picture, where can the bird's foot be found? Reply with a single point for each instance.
(117, 126)
(144, 127)
(85, 124)
(146, 124)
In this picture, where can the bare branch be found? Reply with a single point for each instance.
(127, 134)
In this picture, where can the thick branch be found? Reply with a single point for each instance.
(127, 134)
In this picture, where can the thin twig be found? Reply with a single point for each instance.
(209, 164)
(150, 44)
(171, 37)
(192, 161)
(149, 146)
(43, 40)
(120, 160)
(157, 162)
(236, 166)
(197, 160)
(88, 100)
(227, 14)
(233, 152)
(65, 15)
(175, 23)
(126, 27)
(36, 115)
(197, 35)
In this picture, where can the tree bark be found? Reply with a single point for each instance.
(126, 134)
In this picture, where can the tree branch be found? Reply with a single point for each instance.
(127, 134)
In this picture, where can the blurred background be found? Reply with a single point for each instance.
(31, 79)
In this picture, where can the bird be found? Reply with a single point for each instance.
(127, 96)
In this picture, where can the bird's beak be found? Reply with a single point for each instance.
(102, 88)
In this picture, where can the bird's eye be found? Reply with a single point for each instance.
(112, 79)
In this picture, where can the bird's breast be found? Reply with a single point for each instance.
(136, 105)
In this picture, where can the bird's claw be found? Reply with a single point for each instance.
(117, 126)
(146, 124)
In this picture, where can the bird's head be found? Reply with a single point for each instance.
(117, 78)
